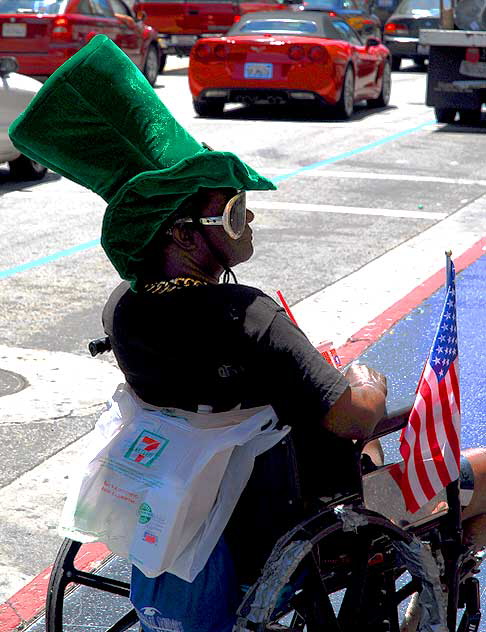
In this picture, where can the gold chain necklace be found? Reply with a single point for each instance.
(172, 284)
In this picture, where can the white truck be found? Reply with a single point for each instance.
(456, 80)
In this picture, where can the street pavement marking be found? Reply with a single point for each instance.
(345, 307)
(51, 391)
(351, 210)
(370, 175)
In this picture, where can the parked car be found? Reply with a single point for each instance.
(16, 91)
(180, 23)
(355, 12)
(43, 34)
(402, 29)
(289, 57)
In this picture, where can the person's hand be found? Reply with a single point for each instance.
(360, 375)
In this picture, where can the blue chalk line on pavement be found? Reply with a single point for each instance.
(49, 259)
(351, 152)
(315, 165)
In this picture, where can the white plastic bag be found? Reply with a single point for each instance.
(156, 487)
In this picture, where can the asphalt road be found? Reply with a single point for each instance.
(377, 197)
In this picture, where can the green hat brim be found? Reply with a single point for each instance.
(151, 200)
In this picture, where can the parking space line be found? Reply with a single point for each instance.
(351, 210)
(286, 176)
(370, 175)
(354, 152)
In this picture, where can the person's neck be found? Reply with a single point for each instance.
(187, 269)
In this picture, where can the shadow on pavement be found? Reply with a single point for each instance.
(463, 128)
(300, 114)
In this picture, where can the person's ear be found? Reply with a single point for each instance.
(184, 236)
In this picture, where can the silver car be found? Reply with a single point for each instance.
(402, 29)
(16, 92)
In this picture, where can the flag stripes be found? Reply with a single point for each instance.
(430, 443)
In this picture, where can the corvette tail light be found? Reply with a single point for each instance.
(202, 52)
(221, 51)
(61, 28)
(472, 55)
(332, 14)
(396, 28)
(236, 19)
(317, 53)
(296, 52)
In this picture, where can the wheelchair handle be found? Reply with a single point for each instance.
(100, 345)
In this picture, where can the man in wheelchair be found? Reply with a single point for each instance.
(176, 225)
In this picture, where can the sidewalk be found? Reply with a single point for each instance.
(396, 343)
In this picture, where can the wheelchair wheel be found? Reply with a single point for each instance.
(66, 576)
(338, 579)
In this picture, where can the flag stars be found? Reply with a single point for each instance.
(436, 360)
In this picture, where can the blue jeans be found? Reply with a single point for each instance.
(208, 604)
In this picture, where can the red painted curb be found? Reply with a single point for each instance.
(373, 331)
(29, 602)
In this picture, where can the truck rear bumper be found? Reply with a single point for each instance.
(447, 86)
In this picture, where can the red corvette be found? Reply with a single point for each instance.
(287, 57)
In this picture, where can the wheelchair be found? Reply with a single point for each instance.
(352, 564)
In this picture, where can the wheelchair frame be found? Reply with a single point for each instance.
(335, 570)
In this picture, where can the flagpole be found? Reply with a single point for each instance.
(448, 254)
(453, 535)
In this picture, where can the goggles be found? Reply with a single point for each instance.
(233, 219)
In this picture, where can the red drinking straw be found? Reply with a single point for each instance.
(286, 307)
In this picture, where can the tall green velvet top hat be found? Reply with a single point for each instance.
(98, 121)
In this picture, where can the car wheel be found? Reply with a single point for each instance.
(163, 61)
(23, 168)
(345, 105)
(445, 115)
(152, 64)
(396, 62)
(470, 117)
(383, 98)
(208, 108)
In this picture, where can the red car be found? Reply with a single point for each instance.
(289, 57)
(180, 23)
(42, 34)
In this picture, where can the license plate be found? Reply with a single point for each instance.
(423, 50)
(184, 40)
(384, 4)
(258, 71)
(14, 30)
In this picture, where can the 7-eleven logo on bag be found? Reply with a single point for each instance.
(146, 448)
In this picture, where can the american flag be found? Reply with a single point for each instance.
(430, 443)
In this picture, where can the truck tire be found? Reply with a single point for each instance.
(208, 109)
(23, 168)
(470, 117)
(163, 61)
(396, 62)
(152, 64)
(445, 115)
